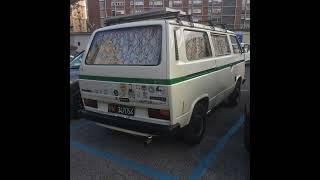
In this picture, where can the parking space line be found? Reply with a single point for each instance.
(125, 162)
(148, 171)
(78, 125)
(212, 156)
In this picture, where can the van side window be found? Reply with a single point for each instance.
(176, 45)
(197, 45)
(220, 44)
(235, 44)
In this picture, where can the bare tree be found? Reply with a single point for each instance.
(73, 2)
(90, 26)
(73, 5)
(79, 19)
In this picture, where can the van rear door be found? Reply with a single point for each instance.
(126, 64)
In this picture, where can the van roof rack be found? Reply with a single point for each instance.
(165, 13)
(217, 25)
(220, 25)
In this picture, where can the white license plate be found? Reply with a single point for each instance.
(121, 109)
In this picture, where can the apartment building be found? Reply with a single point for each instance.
(234, 13)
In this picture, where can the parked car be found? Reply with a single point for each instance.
(75, 96)
(73, 53)
(74, 67)
(154, 77)
(246, 48)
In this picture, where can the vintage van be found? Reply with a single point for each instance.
(158, 76)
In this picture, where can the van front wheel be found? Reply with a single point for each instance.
(75, 101)
(194, 131)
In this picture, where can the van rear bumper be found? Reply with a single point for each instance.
(133, 125)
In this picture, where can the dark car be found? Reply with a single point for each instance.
(75, 96)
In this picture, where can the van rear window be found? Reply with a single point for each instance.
(127, 46)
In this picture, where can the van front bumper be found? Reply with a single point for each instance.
(128, 124)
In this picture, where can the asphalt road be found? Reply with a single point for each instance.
(98, 153)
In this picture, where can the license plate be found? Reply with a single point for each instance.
(121, 109)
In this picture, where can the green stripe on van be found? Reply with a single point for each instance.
(157, 81)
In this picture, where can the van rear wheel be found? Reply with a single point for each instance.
(234, 98)
(194, 131)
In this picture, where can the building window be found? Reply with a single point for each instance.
(220, 44)
(120, 12)
(195, 2)
(101, 5)
(197, 45)
(155, 3)
(102, 14)
(117, 3)
(139, 11)
(216, 11)
(177, 3)
(137, 2)
(196, 18)
(197, 11)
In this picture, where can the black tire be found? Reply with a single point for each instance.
(194, 131)
(234, 98)
(75, 101)
(247, 130)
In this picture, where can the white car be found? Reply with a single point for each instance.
(154, 77)
(246, 48)
(71, 58)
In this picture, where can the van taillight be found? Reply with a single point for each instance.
(159, 113)
(90, 103)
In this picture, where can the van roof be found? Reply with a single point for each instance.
(202, 26)
(170, 21)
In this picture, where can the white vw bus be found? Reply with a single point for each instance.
(157, 76)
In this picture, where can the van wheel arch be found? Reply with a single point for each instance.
(205, 101)
(193, 132)
(238, 78)
(202, 99)
(234, 98)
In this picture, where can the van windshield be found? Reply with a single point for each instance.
(127, 46)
